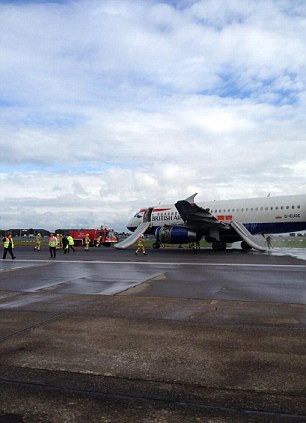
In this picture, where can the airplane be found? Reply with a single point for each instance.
(219, 222)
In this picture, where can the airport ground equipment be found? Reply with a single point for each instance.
(107, 239)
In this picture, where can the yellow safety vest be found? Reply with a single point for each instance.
(70, 240)
(7, 241)
(52, 242)
(141, 242)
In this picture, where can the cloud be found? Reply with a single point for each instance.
(108, 106)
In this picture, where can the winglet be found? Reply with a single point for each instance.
(191, 198)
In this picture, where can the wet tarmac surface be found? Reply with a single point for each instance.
(232, 275)
(174, 336)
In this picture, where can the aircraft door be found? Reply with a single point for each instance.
(147, 215)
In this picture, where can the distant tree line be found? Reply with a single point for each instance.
(20, 232)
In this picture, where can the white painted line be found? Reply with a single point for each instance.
(154, 263)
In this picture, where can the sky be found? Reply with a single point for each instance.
(110, 106)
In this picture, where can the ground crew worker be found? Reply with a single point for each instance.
(269, 243)
(61, 240)
(59, 245)
(37, 242)
(87, 242)
(8, 244)
(70, 243)
(141, 245)
(65, 244)
(98, 242)
(52, 245)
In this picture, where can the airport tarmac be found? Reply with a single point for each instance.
(177, 335)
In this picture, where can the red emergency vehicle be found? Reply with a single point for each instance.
(97, 237)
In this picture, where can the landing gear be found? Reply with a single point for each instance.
(245, 246)
(219, 246)
(156, 245)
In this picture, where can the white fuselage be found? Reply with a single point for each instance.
(261, 215)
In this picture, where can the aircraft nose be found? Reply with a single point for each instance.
(131, 225)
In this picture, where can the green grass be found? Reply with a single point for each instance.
(289, 242)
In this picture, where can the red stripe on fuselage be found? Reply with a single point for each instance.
(160, 210)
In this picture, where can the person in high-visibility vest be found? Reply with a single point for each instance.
(8, 244)
(70, 243)
(59, 245)
(98, 242)
(37, 242)
(87, 242)
(141, 246)
(52, 245)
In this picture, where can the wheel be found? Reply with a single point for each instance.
(219, 246)
(245, 246)
(156, 245)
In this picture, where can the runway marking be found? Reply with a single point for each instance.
(9, 269)
(154, 263)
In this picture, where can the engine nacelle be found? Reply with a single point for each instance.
(175, 235)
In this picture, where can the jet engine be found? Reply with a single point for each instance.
(175, 235)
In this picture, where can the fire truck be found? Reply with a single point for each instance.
(97, 237)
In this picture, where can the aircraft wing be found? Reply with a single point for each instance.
(133, 237)
(199, 218)
(195, 216)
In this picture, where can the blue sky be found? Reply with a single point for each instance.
(108, 106)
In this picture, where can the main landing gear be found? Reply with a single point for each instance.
(245, 246)
(219, 246)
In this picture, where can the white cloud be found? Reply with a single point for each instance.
(108, 106)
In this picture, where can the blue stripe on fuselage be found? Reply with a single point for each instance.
(275, 228)
(253, 228)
